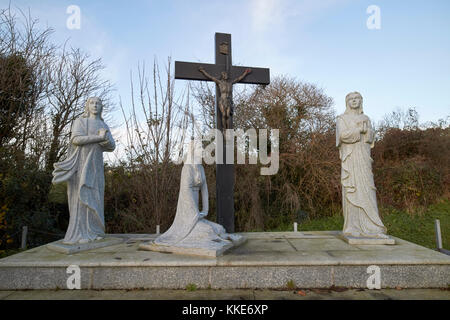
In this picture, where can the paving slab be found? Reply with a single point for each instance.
(327, 244)
(5, 294)
(235, 294)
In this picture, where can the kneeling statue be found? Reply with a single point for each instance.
(191, 232)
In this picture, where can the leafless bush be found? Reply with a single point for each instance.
(156, 126)
(25, 53)
(73, 78)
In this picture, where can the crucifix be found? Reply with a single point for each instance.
(224, 74)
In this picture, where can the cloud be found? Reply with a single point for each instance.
(267, 14)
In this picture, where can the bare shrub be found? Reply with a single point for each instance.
(148, 179)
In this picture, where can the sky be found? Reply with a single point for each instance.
(404, 63)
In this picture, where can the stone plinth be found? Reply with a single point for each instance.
(266, 260)
(213, 250)
(370, 241)
(61, 247)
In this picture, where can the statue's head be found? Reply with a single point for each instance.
(224, 75)
(194, 153)
(354, 102)
(94, 106)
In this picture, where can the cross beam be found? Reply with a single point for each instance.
(191, 71)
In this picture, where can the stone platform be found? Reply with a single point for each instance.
(60, 246)
(318, 259)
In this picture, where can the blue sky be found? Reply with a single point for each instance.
(404, 64)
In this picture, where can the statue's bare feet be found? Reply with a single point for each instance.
(83, 241)
(99, 238)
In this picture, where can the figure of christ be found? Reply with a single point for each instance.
(225, 87)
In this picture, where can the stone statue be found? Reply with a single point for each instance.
(355, 138)
(83, 172)
(225, 87)
(191, 230)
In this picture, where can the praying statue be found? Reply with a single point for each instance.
(190, 228)
(355, 138)
(225, 87)
(84, 173)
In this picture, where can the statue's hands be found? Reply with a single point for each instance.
(248, 70)
(201, 69)
(361, 126)
(364, 127)
(102, 132)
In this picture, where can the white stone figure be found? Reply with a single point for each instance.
(84, 173)
(190, 228)
(355, 138)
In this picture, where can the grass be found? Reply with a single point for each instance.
(191, 287)
(9, 252)
(290, 285)
(417, 228)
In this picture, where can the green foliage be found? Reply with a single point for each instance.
(291, 285)
(16, 91)
(24, 193)
(10, 252)
(334, 222)
(191, 287)
(419, 227)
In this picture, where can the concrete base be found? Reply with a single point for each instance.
(65, 248)
(370, 241)
(215, 249)
(266, 261)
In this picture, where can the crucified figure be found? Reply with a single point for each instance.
(225, 87)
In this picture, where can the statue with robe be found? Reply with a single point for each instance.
(355, 138)
(83, 171)
(190, 228)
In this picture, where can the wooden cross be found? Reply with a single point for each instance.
(224, 112)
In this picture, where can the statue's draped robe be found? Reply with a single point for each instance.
(189, 228)
(83, 170)
(358, 188)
